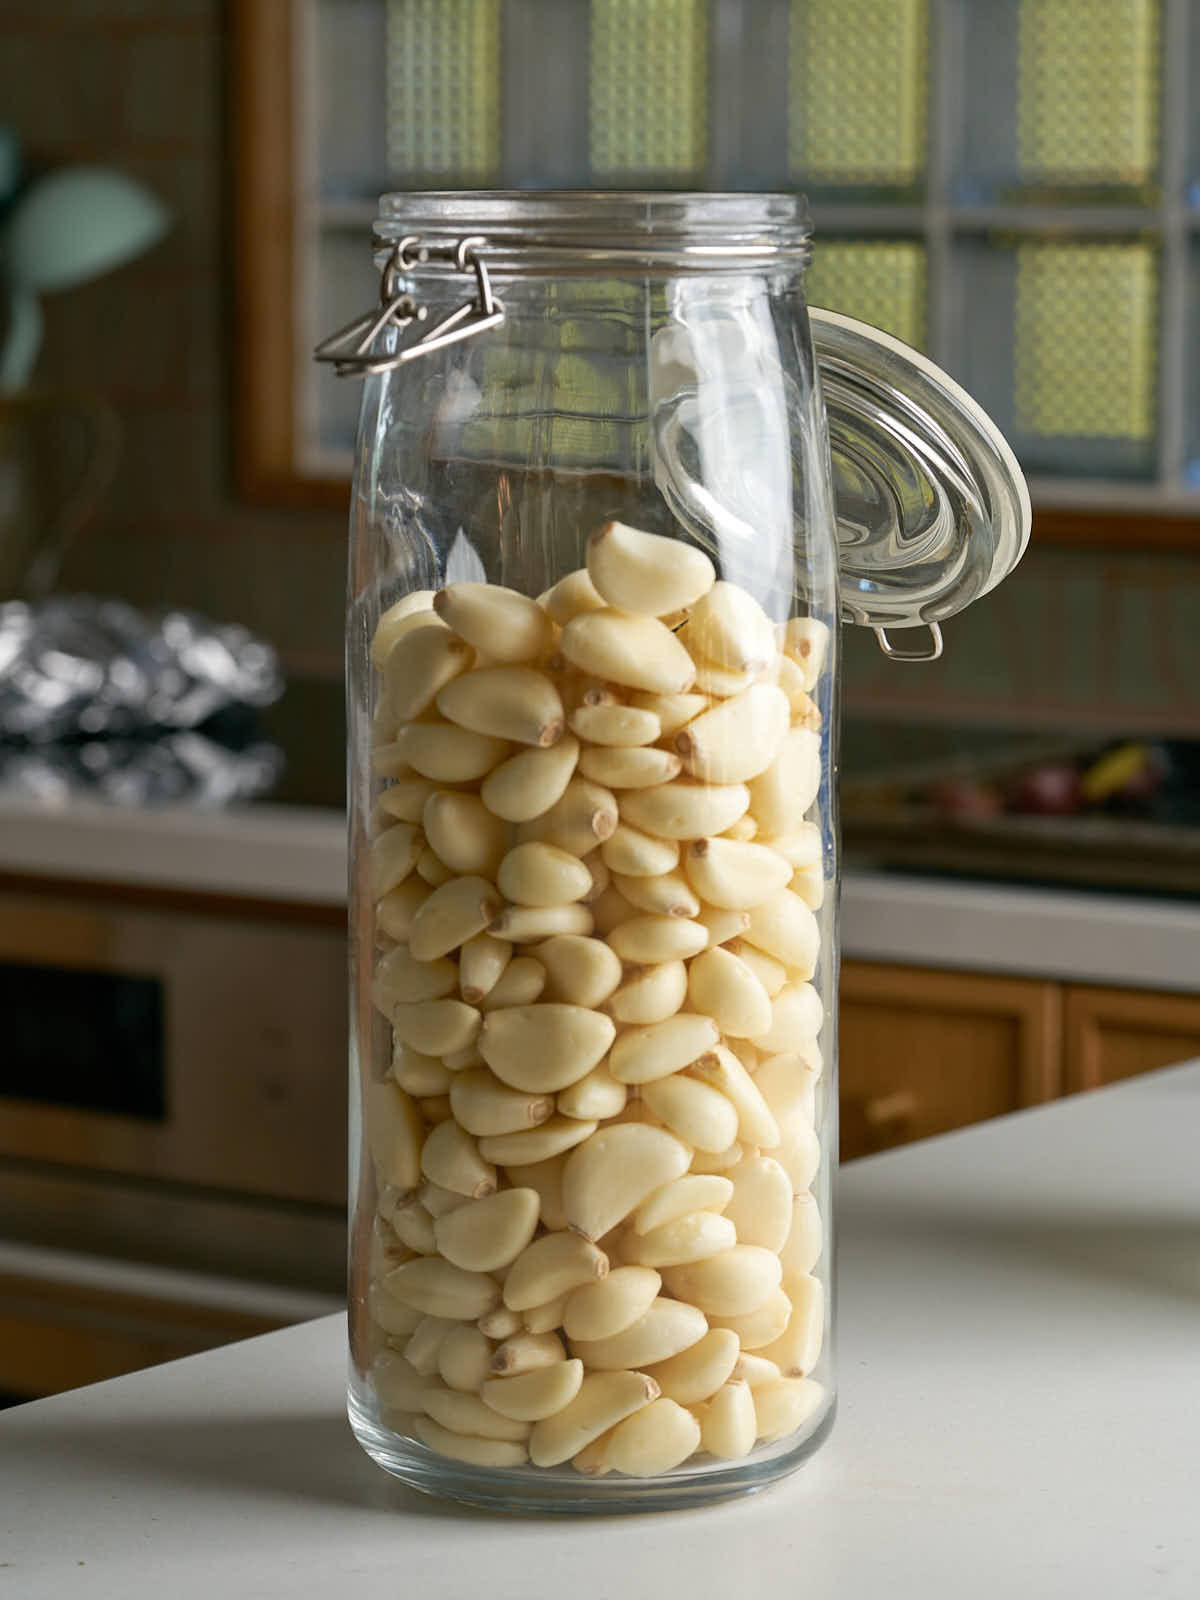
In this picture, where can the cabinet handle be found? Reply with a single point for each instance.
(890, 1110)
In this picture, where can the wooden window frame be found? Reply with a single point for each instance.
(263, 122)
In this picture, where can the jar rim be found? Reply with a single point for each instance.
(521, 229)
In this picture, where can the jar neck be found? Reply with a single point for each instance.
(585, 231)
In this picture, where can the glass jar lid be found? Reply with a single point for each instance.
(932, 508)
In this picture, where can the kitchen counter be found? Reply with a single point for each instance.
(296, 855)
(1020, 1408)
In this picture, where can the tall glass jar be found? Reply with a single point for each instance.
(592, 675)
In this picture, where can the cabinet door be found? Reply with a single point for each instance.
(921, 1051)
(1117, 1033)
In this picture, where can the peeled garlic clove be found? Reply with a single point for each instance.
(672, 710)
(533, 1395)
(413, 1226)
(802, 1248)
(527, 924)
(571, 596)
(551, 1266)
(707, 1163)
(590, 1460)
(754, 1370)
(785, 928)
(799, 1154)
(405, 799)
(593, 1098)
(546, 1317)
(609, 910)
(805, 640)
(723, 988)
(636, 651)
(719, 683)
(440, 1289)
(393, 856)
(729, 1424)
(614, 1171)
(551, 1138)
(450, 1158)
(737, 739)
(521, 982)
(644, 572)
(685, 809)
(680, 1198)
(397, 1384)
(614, 725)
(545, 1178)
(723, 926)
(744, 828)
(395, 912)
(435, 1108)
(390, 761)
(761, 1204)
(486, 1235)
(653, 1440)
(650, 994)
(731, 1284)
(809, 884)
(465, 834)
(637, 854)
(579, 970)
(784, 790)
(500, 623)
(684, 1239)
(728, 627)
(698, 1372)
(524, 1352)
(447, 753)
(604, 1399)
(803, 847)
(668, 895)
(529, 783)
(700, 1116)
(650, 940)
(762, 1325)
(584, 816)
(467, 1414)
(538, 874)
(400, 978)
(629, 769)
(769, 972)
(394, 1133)
(483, 1105)
(477, 1451)
(436, 1027)
(798, 1348)
(668, 1327)
(421, 1351)
(733, 874)
(481, 964)
(420, 665)
(599, 1310)
(506, 702)
(388, 628)
(432, 868)
(786, 1081)
(500, 1323)
(722, 1069)
(796, 1014)
(543, 1048)
(784, 1406)
(641, 1055)
(464, 1358)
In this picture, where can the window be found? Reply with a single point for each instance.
(1012, 186)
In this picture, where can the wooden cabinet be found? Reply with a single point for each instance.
(923, 1051)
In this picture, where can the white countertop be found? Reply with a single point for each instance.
(292, 855)
(1020, 1369)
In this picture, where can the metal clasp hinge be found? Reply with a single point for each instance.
(929, 652)
(351, 349)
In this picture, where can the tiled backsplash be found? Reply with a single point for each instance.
(1074, 638)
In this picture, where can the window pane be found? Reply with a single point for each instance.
(1060, 100)
(443, 90)
(1059, 342)
(880, 281)
(648, 89)
(349, 49)
(857, 93)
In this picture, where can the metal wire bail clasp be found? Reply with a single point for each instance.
(351, 350)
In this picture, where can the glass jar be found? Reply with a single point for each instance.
(594, 599)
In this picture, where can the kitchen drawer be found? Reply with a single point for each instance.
(1117, 1033)
(923, 1051)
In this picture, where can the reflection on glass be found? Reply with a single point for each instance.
(443, 89)
(648, 88)
(857, 93)
(1086, 358)
(880, 281)
(1087, 92)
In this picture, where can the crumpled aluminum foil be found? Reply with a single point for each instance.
(98, 699)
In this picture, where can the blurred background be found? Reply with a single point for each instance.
(186, 194)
